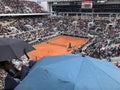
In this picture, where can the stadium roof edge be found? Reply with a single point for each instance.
(28, 14)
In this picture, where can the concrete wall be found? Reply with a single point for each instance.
(45, 6)
(43, 3)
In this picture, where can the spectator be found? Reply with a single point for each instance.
(7, 82)
(24, 68)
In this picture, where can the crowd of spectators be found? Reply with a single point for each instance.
(103, 31)
(103, 34)
(19, 6)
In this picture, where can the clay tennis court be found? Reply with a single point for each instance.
(56, 46)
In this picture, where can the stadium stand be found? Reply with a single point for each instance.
(105, 38)
(24, 20)
(18, 6)
(103, 31)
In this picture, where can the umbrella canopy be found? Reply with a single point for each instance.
(71, 72)
(13, 48)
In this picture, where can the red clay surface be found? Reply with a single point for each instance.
(56, 46)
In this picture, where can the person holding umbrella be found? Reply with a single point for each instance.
(15, 48)
(10, 76)
(7, 81)
(23, 66)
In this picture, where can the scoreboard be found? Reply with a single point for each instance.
(86, 4)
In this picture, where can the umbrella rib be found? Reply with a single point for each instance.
(52, 73)
(97, 79)
(79, 69)
(13, 52)
(104, 72)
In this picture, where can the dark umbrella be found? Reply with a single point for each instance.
(13, 48)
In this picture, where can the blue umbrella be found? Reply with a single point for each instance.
(71, 72)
